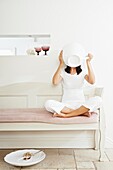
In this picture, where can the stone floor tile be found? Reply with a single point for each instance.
(87, 155)
(67, 169)
(66, 151)
(47, 169)
(86, 169)
(82, 165)
(105, 158)
(104, 165)
(6, 166)
(66, 161)
(109, 153)
(51, 151)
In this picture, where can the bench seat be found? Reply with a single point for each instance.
(27, 115)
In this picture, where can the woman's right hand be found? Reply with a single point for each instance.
(61, 58)
(57, 77)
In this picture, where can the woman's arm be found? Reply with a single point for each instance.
(90, 77)
(57, 77)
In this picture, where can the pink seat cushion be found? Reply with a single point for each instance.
(41, 115)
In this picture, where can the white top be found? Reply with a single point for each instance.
(73, 88)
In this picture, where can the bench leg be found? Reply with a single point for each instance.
(96, 140)
(101, 145)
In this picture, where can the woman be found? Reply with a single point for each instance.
(73, 100)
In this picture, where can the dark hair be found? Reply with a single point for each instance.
(78, 69)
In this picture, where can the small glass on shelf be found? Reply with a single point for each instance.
(38, 50)
(45, 49)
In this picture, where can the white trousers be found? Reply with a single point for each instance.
(92, 104)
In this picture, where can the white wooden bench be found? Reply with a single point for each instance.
(47, 135)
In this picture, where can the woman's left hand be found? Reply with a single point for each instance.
(61, 58)
(89, 57)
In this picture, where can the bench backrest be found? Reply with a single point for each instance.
(34, 94)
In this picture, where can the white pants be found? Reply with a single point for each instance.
(92, 104)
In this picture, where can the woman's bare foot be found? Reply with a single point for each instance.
(59, 115)
(66, 110)
(88, 114)
(55, 114)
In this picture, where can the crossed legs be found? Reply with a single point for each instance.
(66, 112)
(60, 110)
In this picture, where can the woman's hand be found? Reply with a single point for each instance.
(89, 57)
(90, 77)
(61, 58)
(57, 77)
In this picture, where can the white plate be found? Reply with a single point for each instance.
(73, 49)
(16, 158)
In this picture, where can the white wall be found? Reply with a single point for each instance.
(88, 22)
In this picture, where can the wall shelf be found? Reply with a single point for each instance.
(20, 44)
(25, 35)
